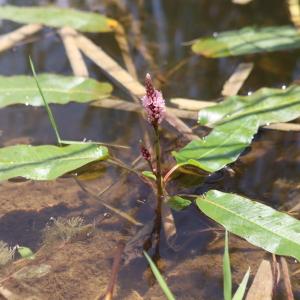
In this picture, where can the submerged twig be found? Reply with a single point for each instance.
(119, 104)
(263, 283)
(109, 207)
(68, 36)
(121, 39)
(286, 279)
(237, 79)
(66, 142)
(11, 39)
(114, 273)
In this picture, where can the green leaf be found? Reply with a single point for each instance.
(149, 174)
(25, 252)
(235, 121)
(56, 88)
(46, 162)
(267, 105)
(227, 284)
(221, 147)
(259, 224)
(49, 112)
(240, 292)
(159, 278)
(248, 40)
(178, 203)
(58, 17)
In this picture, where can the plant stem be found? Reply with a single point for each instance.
(160, 193)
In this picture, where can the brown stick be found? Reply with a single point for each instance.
(286, 279)
(114, 273)
(68, 36)
(9, 40)
(237, 79)
(123, 44)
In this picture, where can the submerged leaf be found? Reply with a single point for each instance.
(58, 17)
(178, 203)
(46, 162)
(25, 252)
(56, 88)
(259, 224)
(30, 272)
(220, 148)
(248, 40)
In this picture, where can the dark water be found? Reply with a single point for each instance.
(271, 173)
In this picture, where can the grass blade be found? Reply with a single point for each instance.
(50, 115)
(159, 278)
(227, 271)
(239, 294)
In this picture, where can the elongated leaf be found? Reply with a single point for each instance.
(48, 109)
(259, 224)
(221, 147)
(267, 105)
(58, 17)
(240, 292)
(248, 40)
(56, 88)
(46, 162)
(227, 283)
(159, 278)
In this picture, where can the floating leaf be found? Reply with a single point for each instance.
(46, 162)
(25, 252)
(235, 121)
(248, 40)
(56, 88)
(149, 174)
(58, 17)
(221, 147)
(178, 203)
(267, 105)
(259, 224)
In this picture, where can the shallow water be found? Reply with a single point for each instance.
(269, 171)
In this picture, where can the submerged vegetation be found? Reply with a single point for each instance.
(6, 254)
(225, 131)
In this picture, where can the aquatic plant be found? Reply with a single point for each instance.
(6, 253)
(154, 105)
(62, 229)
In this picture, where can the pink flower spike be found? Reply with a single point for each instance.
(153, 102)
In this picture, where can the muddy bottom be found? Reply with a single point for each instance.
(81, 267)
